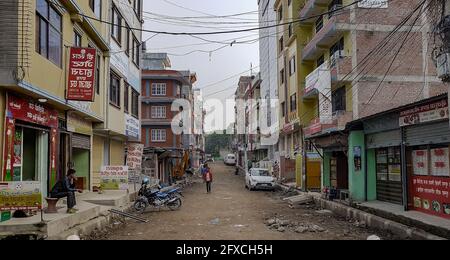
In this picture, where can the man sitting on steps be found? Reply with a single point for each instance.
(66, 188)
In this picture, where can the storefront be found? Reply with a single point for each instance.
(427, 140)
(80, 148)
(30, 142)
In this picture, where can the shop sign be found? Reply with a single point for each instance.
(31, 112)
(20, 196)
(431, 195)
(114, 178)
(81, 80)
(420, 162)
(134, 156)
(425, 114)
(373, 4)
(77, 124)
(132, 127)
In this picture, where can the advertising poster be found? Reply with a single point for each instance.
(114, 178)
(440, 162)
(134, 156)
(20, 196)
(420, 162)
(431, 195)
(81, 76)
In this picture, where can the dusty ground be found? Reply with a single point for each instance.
(233, 213)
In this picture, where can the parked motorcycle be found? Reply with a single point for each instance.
(157, 198)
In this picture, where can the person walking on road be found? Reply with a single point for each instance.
(207, 177)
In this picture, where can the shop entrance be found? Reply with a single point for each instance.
(389, 175)
(339, 171)
(31, 156)
(81, 155)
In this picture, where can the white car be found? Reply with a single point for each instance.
(230, 160)
(259, 179)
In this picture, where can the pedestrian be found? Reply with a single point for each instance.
(207, 177)
(66, 188)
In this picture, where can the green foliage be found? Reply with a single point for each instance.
(215, 142)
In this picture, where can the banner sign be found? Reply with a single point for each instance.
(425, 114)
(431, 195)
(114, 178)
(373, 4)
(134, 156)
(20, 196)
(31, 112)
(132, 127)
(81, 79)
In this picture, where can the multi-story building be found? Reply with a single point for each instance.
(44, 132)
(162, 112)
(346, 80)
(269, 76)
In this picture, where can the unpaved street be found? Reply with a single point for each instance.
(233, 213)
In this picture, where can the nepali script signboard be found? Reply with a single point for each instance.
(425, 113)
(114, 178)
(134, 156)
(20, 196)
(81, 74)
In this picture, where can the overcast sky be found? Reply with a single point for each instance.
(219, 65)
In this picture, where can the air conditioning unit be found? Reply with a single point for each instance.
(443, 66)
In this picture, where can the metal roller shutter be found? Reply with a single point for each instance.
(428, 134)
(384, 139)
(81, 141)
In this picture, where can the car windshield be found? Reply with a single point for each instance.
(261, 173)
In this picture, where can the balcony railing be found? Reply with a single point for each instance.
(326, 37)
(340, 67)
(338, 123)
(313, 8)
(318, 81)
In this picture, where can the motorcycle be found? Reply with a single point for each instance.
(157, 198)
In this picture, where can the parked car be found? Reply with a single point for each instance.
(259, 179)
(230, 160)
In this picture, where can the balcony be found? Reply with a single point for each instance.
(319, 81)
(340, 67)
(156, 122)
(313, 8)
(338, 123)
(152, 100)
(326, 37)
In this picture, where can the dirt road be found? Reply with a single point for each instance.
(233, 213)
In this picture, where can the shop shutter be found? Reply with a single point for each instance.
(81, 141)
(428, 134)
(384, 139)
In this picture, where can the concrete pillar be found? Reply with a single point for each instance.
(357, 165)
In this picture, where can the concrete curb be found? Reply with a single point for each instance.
(372, 221)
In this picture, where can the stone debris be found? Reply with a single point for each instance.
(73, 238)
(282, 225)
(373, 238)
(215, 221)
(325, 212)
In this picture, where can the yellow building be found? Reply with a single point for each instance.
(44, 133)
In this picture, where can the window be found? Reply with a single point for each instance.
(293, 103)
(159, 135)
(282, 76)
(337, 47)
(114, 90)
(159, 89)
(281, 43)
(389, 164)
(280, 13)
(77, 39)
(97, 74)
(116, 28)
(96, 7)
(137, 7)
(319, 24)
(128, 40)
(290, 30)
(292, 66)
(136, 54)
(289, 2)
(339, 100)
(126, 97)
(283, 109)
(48, 32)
(320, 61)
(159, 112)
(135, 103)
(333, 6)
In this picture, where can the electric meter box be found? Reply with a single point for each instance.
(443, 66)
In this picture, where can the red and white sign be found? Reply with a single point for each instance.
(134, 156)
(31, 112)
(431, 195)
(440, 162)
(424, 114)
(420, 162)
(81, 74)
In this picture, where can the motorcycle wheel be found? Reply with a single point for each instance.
(175, 205)
(140, 206)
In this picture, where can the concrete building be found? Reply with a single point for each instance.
(167, 122)
(269, 73)
(50, 133)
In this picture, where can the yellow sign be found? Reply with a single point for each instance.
(20, 195)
